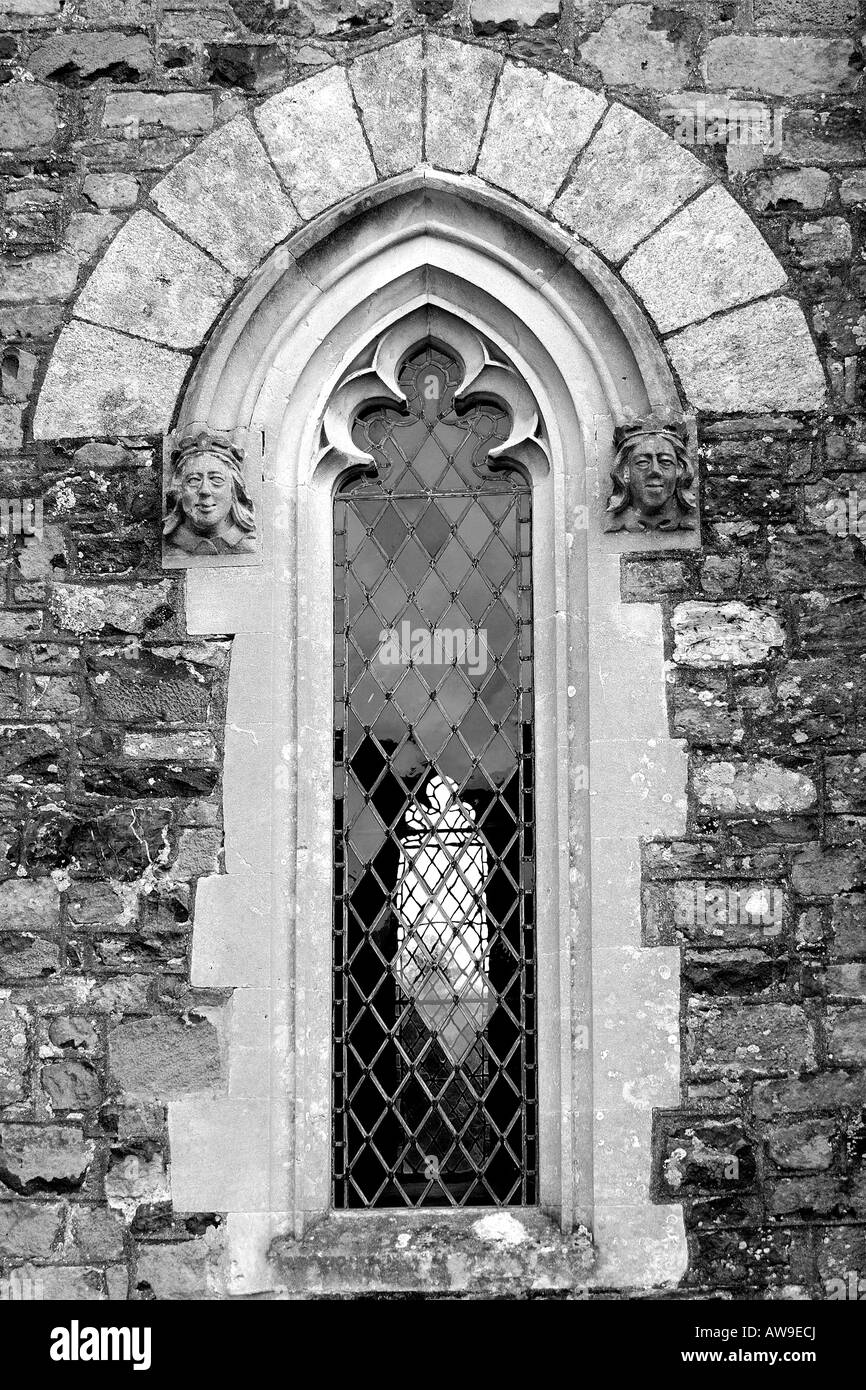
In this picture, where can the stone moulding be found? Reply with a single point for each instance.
(370, 195)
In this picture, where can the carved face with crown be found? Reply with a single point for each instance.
(652, 479)
(209, 509)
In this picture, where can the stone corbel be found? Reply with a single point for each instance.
(652, 479)
(212, 483)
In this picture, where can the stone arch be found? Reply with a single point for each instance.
(381, 152)
(679, 241)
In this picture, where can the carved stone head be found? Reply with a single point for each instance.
(209, 511)
(652, 479)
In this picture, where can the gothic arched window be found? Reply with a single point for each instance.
(434, 1100)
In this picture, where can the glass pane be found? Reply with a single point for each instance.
(434, 1004)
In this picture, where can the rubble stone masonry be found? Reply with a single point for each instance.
(112, 716)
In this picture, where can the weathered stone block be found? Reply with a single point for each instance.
(846, 1035)
(111, 190)
(227, 197)
(826, 1090)
(191, 746)
(13, 1054)
(38, 1159)
(255, 67)
(819, 137)
(759, 1038)
(708, 912)
(816, 1198)
(698, 1154)
(731, 974)
(757, 358)
(81, 57)
(709, 257)
(314, 138)
(102, 383)
(820, 872)
(125, 608)
(842, 1250)
(848, 921)
(724, 634)
(98, 904)
(826, 242)
(133, 113)
(73, 1032)
(460, 78)
(845, 981)
(389, 97)
(24, 957)
(153, 283)
(43, 277)
(161, 1058)
(632, 48)
(806, 1145)
(846, 782)
(71, 1085)
(29, 116)
(761, 787)
(508, 16)
(32, 9)
(184, 1269)
(784, 66)
(794, 188)
(782, 14)
(198, 854)
(538, 124)
(852, 190)
(136, 1180)
(93, 1235)
(613, 211)
(88, 232)
(29, 904)
(29, 1230)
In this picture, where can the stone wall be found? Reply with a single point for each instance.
(111, 739)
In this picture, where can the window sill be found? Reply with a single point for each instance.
(483, 1253)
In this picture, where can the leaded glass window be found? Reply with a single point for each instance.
(434, 1067)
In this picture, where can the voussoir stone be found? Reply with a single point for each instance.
(614, 211)
(460, 81)
(758, 358)
(226, 197)
(723, 634)
(100, 382)
(539, 123)
(708, 258)
(314, 137)
(153, 283)
(389, 96)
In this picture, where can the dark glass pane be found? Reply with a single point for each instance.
(434, 1008)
